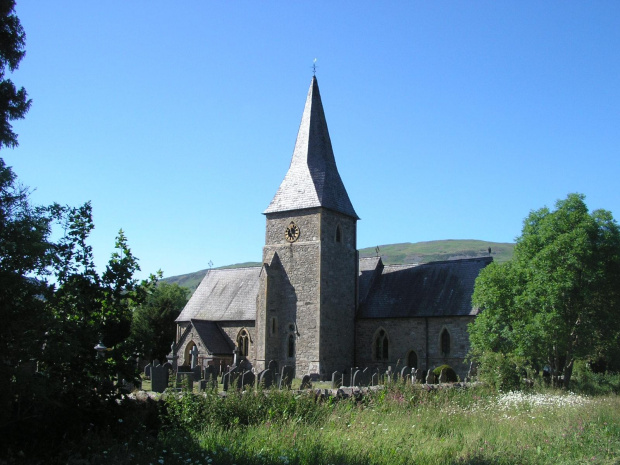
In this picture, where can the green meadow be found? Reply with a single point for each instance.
(399, 424)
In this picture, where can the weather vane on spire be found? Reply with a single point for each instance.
(314, 68)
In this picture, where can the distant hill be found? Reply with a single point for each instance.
(393, 254)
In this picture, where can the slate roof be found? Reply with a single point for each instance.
(312, 179)
(385, 291)
(228, 294)
(214, 339)
(369, 269)
(427, 290)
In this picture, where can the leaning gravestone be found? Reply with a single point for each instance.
(147, 371)
(443, 376)
(306, 382)
(286, 378)
(430, 377)
(159, 378)
(336, 379)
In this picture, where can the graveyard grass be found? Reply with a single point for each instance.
(396, 425)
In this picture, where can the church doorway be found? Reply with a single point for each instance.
(187, 355)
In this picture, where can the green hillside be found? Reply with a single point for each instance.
(434, 251)
(392, 254)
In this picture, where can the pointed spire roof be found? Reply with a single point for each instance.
(312, 179)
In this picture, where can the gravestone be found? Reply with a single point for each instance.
(306, 382)
(266, 378)
(430, 377)
(404, 373)
(194, 359)
(419, 375)
(443, 376)
(472, 372)
(197, 372)
(147, 371)
(159, 378)
(366, 377)
(230, 377)
(246, 380)
(414, 374)
(357, 378)
(286, 377)
(273, 366)
(185, 377)
(337, 378)
(374, 380)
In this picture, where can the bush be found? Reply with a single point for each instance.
(450, 373)
(500, 371)
(587, 381)
(194, 411)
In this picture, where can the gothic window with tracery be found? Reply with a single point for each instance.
(243, 342)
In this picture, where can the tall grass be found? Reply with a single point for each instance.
(401, 424)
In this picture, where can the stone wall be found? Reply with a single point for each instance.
(410, 334)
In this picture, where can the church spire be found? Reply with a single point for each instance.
(312, 179)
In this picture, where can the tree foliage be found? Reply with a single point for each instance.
(14, 103)
(558, 300)
(152, 327)
(55, 307)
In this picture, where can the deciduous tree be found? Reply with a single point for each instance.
(558, 300)
(152, 327)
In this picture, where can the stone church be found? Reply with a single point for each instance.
(314, 304)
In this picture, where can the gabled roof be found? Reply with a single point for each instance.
(228, 294)
(215, 340)
(312, 179)
(369, 270)
(431, 289)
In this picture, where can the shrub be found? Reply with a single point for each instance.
(500, 371)
(450, 373)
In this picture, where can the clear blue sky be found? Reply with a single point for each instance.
(449, 120)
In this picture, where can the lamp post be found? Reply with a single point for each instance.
(100, 348)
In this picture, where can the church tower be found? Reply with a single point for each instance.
(307, 299)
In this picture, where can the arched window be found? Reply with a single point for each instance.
(338, 234)
(381, 345)
(243, 342)
(445, 342)
(291, 346)
(412, 359)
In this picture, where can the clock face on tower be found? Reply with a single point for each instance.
(292, 232)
